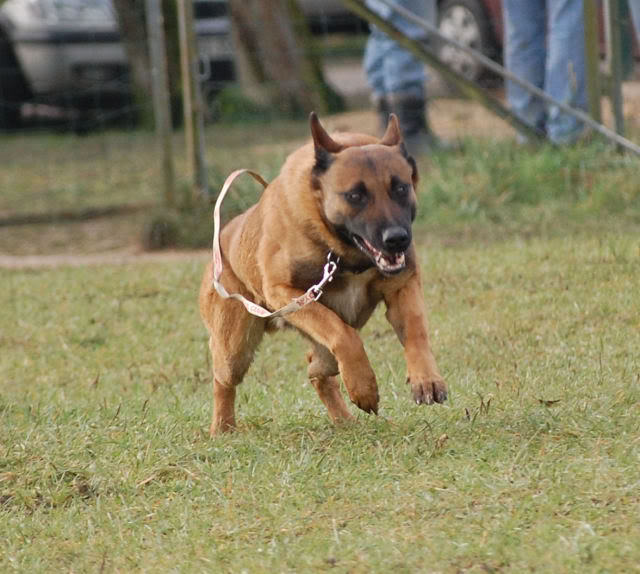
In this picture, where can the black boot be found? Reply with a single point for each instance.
(412, 115)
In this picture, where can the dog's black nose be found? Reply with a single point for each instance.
(396, 239)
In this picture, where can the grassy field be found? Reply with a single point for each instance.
(115, 168)
(106, 465)
(531, 261)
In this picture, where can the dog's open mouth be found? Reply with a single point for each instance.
(389, 263)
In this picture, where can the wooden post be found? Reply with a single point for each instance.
(592, 55)
(192, 99)
(614, 58)
(160, 93)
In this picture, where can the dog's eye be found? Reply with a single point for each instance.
(356, 196)
(400, 189)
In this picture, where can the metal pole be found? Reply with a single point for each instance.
(614, 57)
(192, 99)
(160, 94)
(592, 59)
(359, 7)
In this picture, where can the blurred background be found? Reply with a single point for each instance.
(85, 169)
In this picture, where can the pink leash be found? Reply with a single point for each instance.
(312, 294)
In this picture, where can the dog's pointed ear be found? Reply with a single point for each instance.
(325, 146)
(321, 139)
(392, 135)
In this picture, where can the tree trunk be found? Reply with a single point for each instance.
(131, 21)
(276, 52)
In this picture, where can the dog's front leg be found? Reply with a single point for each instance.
(407, 315)
(327, 328)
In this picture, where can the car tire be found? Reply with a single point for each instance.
(466, 21)
(13, 87)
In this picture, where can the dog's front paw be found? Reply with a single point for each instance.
(362, 389)
(427, 390)
(367, 401)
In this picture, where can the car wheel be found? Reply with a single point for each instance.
(13, 88)
(467, 22)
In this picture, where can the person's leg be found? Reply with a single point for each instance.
(397, 78)
(385, 63)
(402, 71)
(373, 63)
(374, 59)
(565, 71)
(404, 78)
(524, 55)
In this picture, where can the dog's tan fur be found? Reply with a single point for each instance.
(276, 250)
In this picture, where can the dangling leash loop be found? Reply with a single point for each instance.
(312, 294)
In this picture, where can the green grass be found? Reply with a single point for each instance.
(496, 182)
(106, 466)
(121, 168)
(117, 168)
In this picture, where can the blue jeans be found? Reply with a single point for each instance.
(545, 45)
(389, 67)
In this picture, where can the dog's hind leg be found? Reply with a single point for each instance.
(234, 336)
(234, 339)
(224, 418)
(322, 373)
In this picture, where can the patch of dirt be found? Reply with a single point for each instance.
(74, 237)
(120, 257)
(451, 119)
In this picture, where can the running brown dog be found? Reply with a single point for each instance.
(352, 195)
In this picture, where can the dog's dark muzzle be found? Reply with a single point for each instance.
(396, 239)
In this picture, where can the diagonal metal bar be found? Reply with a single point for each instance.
(464, 85)
(469, 88)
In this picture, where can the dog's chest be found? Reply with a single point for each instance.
(352, 298)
